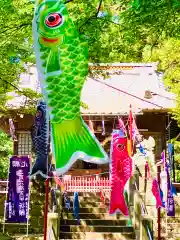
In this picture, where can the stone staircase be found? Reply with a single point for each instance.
(96, 223)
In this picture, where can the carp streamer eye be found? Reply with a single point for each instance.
(53, 20)
(120, 147)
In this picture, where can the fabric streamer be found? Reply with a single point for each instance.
(40, 137)
(62, 64)
(76, 207)
(163, 176)
(91, 127)
(171, 155)
(135, 132)
(103, 128)
(156, 193)
(170, 208)
(122, 126)
(67, 202)
(12, 130)
(121, 171)
(59, 183)
(54, 198)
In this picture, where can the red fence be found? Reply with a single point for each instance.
(86, 184)
(77, 184)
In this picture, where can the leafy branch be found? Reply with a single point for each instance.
(95, 16)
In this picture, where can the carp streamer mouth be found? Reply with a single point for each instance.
(49, 40)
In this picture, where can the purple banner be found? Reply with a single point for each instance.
(170, 208)
(17, 205)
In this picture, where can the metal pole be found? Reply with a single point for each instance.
(159, 209)
(46, 208)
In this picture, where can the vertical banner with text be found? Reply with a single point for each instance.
(17, 205)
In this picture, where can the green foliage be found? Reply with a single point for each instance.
(15, 21)
(6, 150)
(168, 55)
(176, 158)
(146, 30)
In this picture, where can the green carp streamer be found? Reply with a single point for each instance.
(62, 63)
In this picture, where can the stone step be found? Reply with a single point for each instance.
(88, 210)
(98, 228)
(89, 199)
(105, 216)
(97, 235)
(85, 194)
(94, 222)
(89, 204)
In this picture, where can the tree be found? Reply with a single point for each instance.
(15, 49)
(168, 55)
(117, 31)
(6, 150)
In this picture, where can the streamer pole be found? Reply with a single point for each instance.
(159, 209)
(130, 130)
(131, 154)
(46, 207)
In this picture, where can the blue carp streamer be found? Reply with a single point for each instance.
(40, 137)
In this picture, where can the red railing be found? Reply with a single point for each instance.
(86, 184)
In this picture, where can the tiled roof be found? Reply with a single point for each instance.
(133, 79)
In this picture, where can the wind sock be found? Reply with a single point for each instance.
(62, 64)
(40, 137)
(121, 171)
(76, 206)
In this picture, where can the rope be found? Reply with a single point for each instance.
(122, 91)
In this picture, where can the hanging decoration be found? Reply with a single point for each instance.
(163, 176)
(169, 199)
(62, 63)
(135, 132)
(76, 207)
(59, 183)
(40, 135)
(91, 126)
(171, 159)
(67, 202)
(12, 130)
(171, 155)
(103, 128)
(121, 171)
(122, 126)
(156, 191)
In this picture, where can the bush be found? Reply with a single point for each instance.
(6, 150)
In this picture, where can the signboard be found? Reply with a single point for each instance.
(17, 205)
